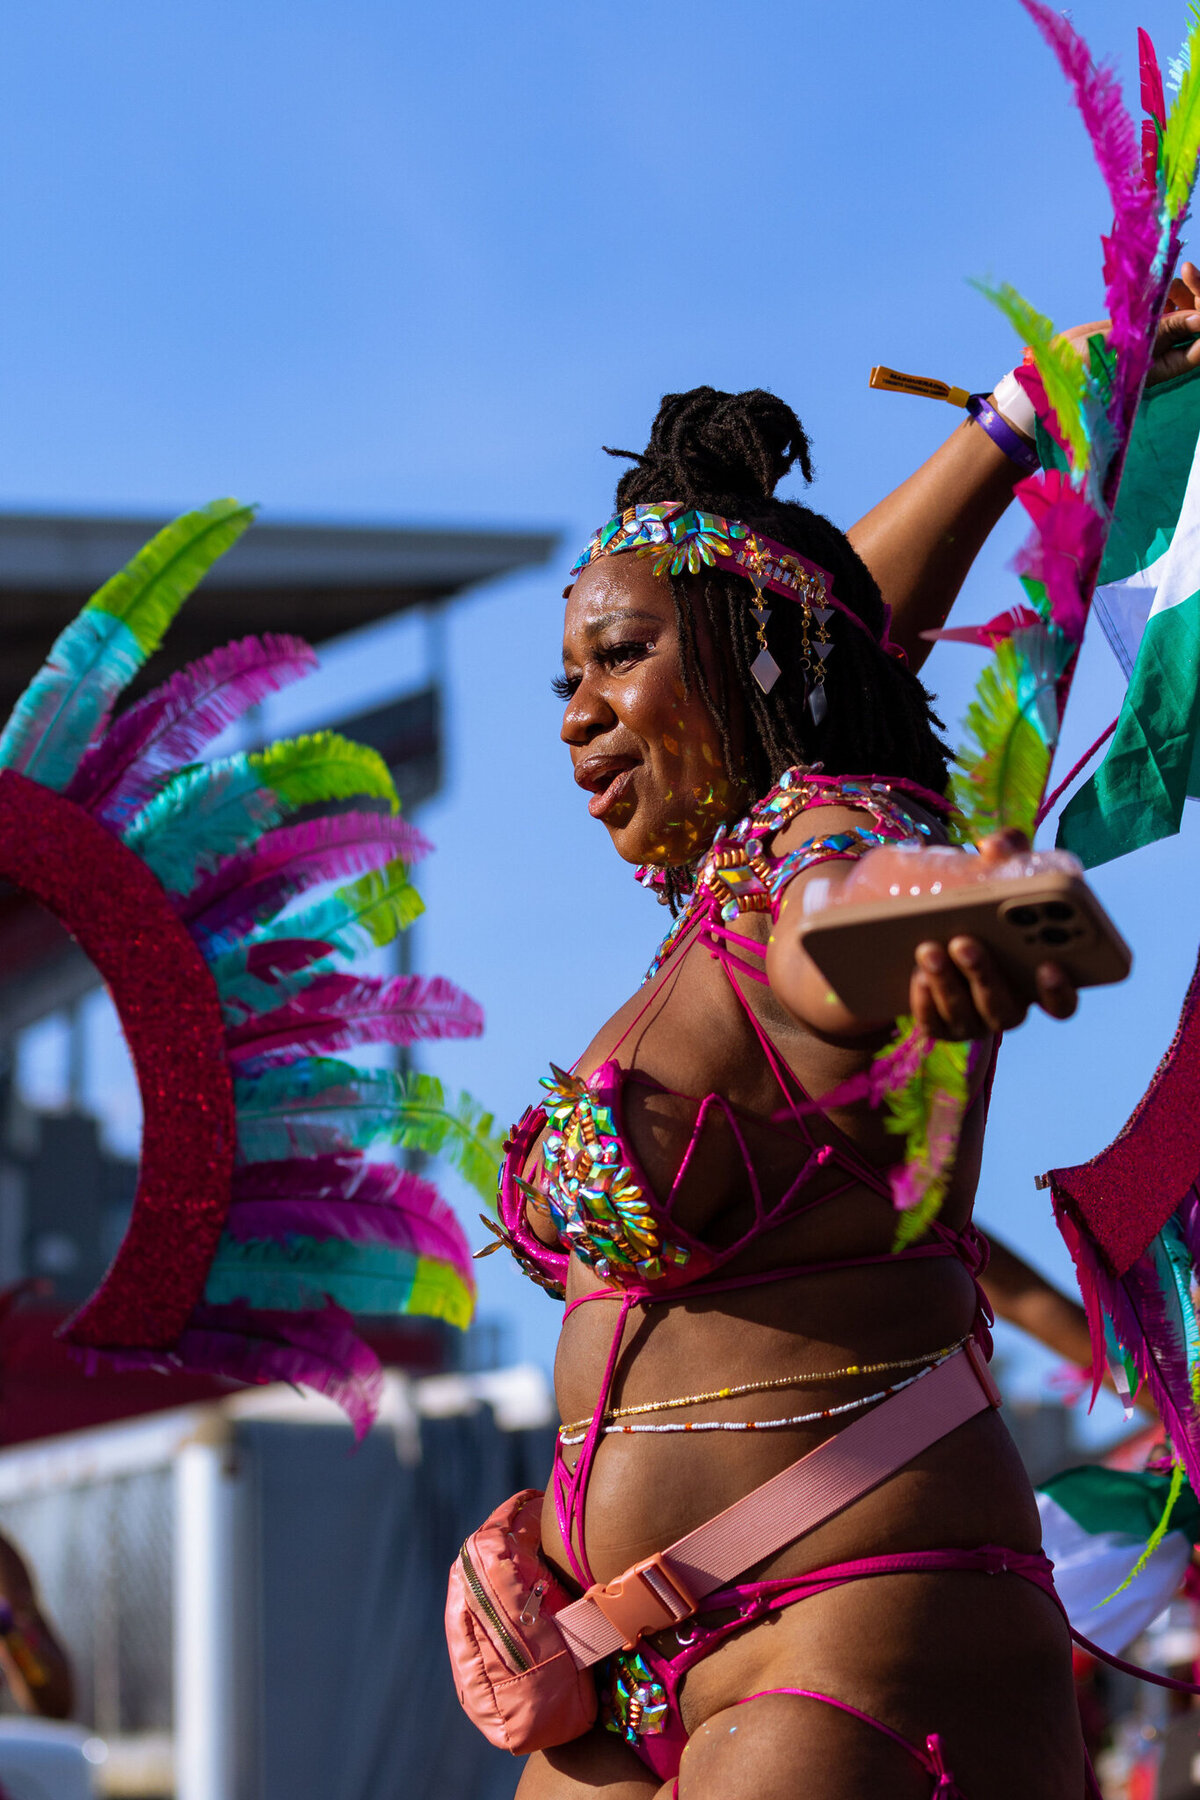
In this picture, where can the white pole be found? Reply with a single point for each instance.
(204, 1692)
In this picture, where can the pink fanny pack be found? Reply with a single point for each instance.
(522, 1648)
(515, 1676)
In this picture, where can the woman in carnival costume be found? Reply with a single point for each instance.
(772, 1373)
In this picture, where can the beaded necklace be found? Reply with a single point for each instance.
(737, 874)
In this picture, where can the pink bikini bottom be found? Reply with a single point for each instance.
(640, 1688)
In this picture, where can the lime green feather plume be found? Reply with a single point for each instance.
(461, 1133)
(366, 914)
(1011, 727)
(324, 766)
(1061, 369)
(147, 593)
(100, 652)
(1181, 137)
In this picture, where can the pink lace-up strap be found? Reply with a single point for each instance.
(931, 1758)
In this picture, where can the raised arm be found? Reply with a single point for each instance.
(921, 540)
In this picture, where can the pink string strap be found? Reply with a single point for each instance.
(930, 1758)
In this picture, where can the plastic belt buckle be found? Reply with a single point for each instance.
(983, 1374)
(646, 1597)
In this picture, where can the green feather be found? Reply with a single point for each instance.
(1007, 758)
(323, 1094)
(908, 1112)
(364, 915)
(149, 591)
(1181, 138)
(1157, 1535)
(324, 766)
(461, 1134)
(1061, 370)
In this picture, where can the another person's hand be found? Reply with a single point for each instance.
(958, 992)
(1177, 345)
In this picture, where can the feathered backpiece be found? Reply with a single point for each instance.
(261, 1224)
(1086, 403)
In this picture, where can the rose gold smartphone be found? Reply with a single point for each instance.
(866, 951)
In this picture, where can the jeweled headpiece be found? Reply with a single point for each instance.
(681, 540)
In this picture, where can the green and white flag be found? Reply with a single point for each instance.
(1096, 1523)
(1148, 603)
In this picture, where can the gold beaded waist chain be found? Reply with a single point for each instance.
(575, 1432)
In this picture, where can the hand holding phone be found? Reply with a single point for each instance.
(1026, 908)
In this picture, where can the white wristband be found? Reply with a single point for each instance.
(1014, 403)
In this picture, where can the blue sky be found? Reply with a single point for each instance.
(378, 261)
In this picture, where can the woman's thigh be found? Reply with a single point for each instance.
(596, 1767)
(781, 1747)
(982, 1661)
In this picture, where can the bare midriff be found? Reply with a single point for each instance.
(647, 1490)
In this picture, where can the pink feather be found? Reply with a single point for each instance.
(987, 636)
(1153, 98)
(256, 883)
(388, 1206)
(175, 722)
(317, 1349)
(1138, 1312)
(1131, 292)
(1065, 550)
(336, 1012)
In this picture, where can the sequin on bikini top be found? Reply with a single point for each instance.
(597, 1205)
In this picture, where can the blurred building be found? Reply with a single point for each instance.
(253, 1605)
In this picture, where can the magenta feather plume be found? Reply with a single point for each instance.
(1143, 1320)
(1065, 549)
(387, 1206)
(343, 1176)
(174, 723)
(1131, 251)
(1153, 99)
(335, 1012)
(257, 883)
(320, 1349)
(283, 956)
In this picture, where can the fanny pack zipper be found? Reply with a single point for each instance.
(516, 1654)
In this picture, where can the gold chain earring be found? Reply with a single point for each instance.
(764, 668)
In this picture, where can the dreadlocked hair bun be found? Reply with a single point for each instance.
(735, 446)
(726, 454)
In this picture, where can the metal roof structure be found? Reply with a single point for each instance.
(317, 580)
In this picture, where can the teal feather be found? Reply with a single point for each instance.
(67, 702)
(363, 1278)
(1173, 1268)
(370, 1278)
(1011, 729)
(203, 815)
(97, 656)
(362, 916)
(244, 994)
(316, 1107)
(331, 1099)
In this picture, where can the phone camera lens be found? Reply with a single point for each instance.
(1054, 934)
(1022, 916)
(1058, 909)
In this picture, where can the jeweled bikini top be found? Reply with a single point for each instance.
(601, 1203)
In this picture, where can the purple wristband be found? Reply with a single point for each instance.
(1005, 437)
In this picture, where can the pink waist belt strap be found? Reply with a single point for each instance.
(668, 1587)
